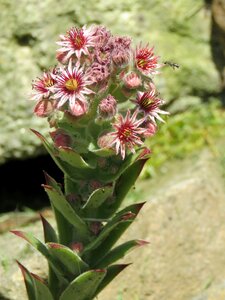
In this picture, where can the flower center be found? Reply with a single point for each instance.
(79, 41)
(49, 82)
(146, 103)
(142, 63)
(71, 84)
(125, 134)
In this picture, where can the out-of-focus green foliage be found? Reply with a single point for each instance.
(185, 133)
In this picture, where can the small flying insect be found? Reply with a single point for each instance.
(172, 64)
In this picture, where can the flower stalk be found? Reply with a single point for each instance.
(101, 104)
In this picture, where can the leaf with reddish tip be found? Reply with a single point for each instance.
(71, 261)
(84, 286)
(64, 167)
(51, 181)
(63, 206)
(42, 248)
(35, 286)
(103, 248)
(37, 244)
(111, 229)
(42, 291)
(118, 253)
(29, 282)
(112, 272)
(49, 232)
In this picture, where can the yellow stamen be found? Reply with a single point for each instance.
(71, 84)
(142, 63)
(49, 83)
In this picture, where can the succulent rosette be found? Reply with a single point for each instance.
(101, 104)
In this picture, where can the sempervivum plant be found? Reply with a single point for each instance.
(101, 104)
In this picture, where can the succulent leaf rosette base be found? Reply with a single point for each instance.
(101, 104)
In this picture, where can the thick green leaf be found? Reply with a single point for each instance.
(69, 259)
(84, 286)
(29, 282)
(112, 272)
(62, 205)
(128, 215)
(106, 231)
(42, 248)
(42, 291)
(110, 233)
(36, 243)
(72, 172)
(36, 287)
(65, 229)
(97, 198)
(103, 152)
(49, 232)
(73, 158)
(123, 185)
(51, 181)
(118, 252)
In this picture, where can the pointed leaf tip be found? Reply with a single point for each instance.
(22, 268)
(18, 233)
(35, 276)
(47, 177)
(139, 206)
(38, 134)
(142, 242)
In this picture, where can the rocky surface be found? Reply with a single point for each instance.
(184, 221)
(178, 29)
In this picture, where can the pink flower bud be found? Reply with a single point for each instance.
(105, 141)
(150, 129)
(79, 108)
(62, 57)
(132, 80)
(60, 138)
(44, 108)
(108, 107)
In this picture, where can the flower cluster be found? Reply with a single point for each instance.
(103, 79)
